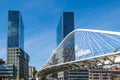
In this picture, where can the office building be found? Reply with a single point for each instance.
(7, 72)
(115, 70)
(1, 62)
(100, 74)
(32, 73)
(81, 74)
(15, 37)
(66, 53)
(65, 26)
(15, 45)
(112, 73)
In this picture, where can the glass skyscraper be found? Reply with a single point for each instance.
(67, 52)
(15, 30)
(15, 45)
(65, 26)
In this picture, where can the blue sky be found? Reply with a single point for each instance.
(41, 18)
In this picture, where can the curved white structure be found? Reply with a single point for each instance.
(95, 60)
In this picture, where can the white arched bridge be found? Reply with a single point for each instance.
(84, 48)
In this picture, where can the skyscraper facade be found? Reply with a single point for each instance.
(15, 30)
(65, 26)
(15, 45)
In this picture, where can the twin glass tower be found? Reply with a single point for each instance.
(15, 46)
(65, 26)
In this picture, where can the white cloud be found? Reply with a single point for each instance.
(80, 52)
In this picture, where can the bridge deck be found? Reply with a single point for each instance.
(92, 62)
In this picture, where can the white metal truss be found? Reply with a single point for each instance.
(104, 51)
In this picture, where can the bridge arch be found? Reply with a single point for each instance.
(76, 63)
